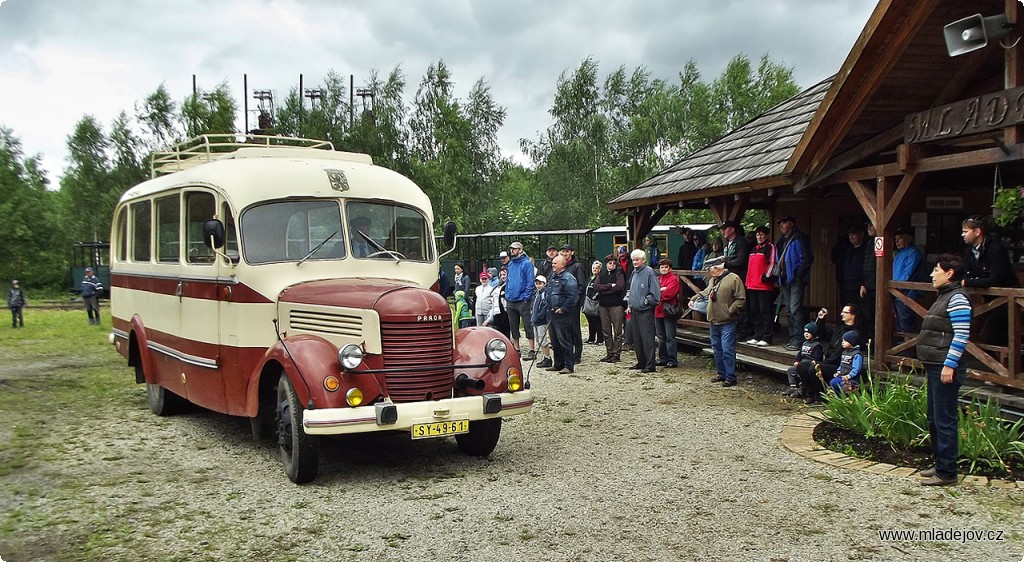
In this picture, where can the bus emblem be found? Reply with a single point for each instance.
(338, 180)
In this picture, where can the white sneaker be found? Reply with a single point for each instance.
(761, 343)
(751, 341)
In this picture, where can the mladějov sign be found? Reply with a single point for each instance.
(974, 115)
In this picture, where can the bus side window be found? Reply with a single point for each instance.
(168, 229)
(199, 208)
(230, 232)
(122, 234)
(141, 223)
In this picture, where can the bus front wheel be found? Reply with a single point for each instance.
(300, 452)
(482, 437)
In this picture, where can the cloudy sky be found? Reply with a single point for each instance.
(62, 59)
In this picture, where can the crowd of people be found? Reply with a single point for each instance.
(633, 300)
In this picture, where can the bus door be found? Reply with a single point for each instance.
(199, 294)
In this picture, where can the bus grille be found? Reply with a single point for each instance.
(330, 323)
(410, 347)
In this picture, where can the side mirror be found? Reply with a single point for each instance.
(213, 233)
(450, 231)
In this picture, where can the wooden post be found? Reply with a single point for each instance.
(883, 274)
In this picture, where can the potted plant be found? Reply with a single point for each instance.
(1008, 205)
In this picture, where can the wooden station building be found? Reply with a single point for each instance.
(903, 135)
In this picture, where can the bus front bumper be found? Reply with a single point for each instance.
(391, 417)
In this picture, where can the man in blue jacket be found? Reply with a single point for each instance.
(519, 294)
(906, 262)
(91, 291)
(563, 294)
(795, 259)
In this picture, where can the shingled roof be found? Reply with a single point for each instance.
(756, 151)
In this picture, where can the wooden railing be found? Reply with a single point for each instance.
(689, 317)
(1001, 364)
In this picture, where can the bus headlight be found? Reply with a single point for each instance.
(496, 350)
(350, 356)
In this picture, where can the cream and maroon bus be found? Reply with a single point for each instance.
(278, 279)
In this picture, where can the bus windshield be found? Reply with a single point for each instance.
(290, 230)
(312, 230)
(383, 231)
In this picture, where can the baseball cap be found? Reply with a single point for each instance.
(516, 245)
(729, 223)
(541, 278)
(904, 231)
(552, 247)
(503, 254)
(568, 247)
(622, 250)
(786, 218)
(483, 275)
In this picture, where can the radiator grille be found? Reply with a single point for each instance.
(410, 347)
(329, 323)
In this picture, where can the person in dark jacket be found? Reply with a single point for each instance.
(736, 249)
(576, 269)
(795, 259)
(987, 263)
(684, 259)
(595, 335)
(16, 301)
(940, 347)
(92, 288)
(852, 267)
(867, 288)
(563, 298)
(611, 290)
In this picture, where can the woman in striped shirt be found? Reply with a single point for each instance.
(940, 348)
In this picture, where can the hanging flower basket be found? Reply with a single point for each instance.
(1008, 205)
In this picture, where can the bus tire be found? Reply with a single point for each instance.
(481, 439)
(162, 402)
(300, 452)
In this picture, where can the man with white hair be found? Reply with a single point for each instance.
(726, 298)
(644, 294)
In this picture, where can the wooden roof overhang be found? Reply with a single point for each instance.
(850, 128)
(747, 167)
(898, 68)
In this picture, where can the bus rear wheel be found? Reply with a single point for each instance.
(162, 402)
(482, 437)
(300, 452)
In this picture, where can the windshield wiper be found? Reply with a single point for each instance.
(380, 249)
(318, 246)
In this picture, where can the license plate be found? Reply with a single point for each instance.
(439, 429)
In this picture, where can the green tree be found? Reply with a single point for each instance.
(87, 194)
(209, 112)
(380, 128)
(32, 251)
(157, 115)
(325, 116)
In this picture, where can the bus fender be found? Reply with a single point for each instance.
(307, 360)
(142, 343)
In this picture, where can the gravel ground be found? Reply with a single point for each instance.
(610, 465)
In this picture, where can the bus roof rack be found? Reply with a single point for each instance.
(207, 148)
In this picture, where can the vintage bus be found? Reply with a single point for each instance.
(280, 280)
